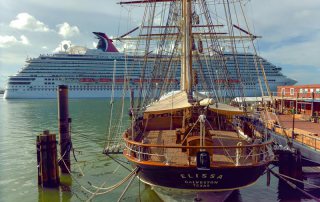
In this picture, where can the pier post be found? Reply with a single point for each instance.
(48, 172)
(290, 164)
(64, 132)
(312, 96)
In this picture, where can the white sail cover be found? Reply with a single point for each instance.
(225, 109)
(171, 103)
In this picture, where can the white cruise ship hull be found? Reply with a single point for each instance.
(20, 94)
(52, 94)
(91, 73)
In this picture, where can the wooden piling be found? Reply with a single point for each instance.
(290, 164)
(48, 172)
(64, 132)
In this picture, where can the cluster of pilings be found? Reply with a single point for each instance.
(47, 161)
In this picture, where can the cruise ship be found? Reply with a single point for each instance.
(103, 72)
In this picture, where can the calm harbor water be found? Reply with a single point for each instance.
(22, 120)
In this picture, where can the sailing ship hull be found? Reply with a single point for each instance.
(169, 194)
(190, 178)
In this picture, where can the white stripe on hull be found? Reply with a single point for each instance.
(50, 94)
(20, 94)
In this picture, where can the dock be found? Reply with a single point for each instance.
(305, 132)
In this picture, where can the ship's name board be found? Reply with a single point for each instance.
(201, 180)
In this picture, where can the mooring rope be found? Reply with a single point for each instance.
(93, 195)
(294, 179)
(128, 185)
(282, 177)
(109, 189)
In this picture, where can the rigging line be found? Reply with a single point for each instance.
(191, 129)
(233, 44)
(211, 66)
(204, 82)
(216, 48)
(261, 65)
(169, 74)
(107, 142)
(136, 52)
(243, 46)
(147, 48)
(159, 69)
(245, 52)
(216, 88)
(120, 19)
(225, 150)
(255, 56)
(124, 90)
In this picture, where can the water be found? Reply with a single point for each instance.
(22, 120)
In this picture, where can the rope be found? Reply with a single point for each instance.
(226, 151)
(93, 195)
(117, 161)
(294, 179)
(281, 177)
(111, 188)
(127, 187)
(116, 185)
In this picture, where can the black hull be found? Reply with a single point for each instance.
(190, 178)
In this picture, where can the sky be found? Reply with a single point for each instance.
(290, 31)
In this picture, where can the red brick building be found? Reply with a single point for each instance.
(304, 99)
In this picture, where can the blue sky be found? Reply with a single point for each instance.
(290, 30)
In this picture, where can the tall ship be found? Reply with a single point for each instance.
(100, 72)
(190, 143)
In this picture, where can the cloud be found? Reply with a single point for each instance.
(24, 40)
(126, 45)
(25, 21)
(61, 44)
(66, 30)
(94, 44)
(8, 41)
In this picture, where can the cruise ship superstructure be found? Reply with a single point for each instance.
(102, 72)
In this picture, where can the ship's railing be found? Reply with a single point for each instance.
(178, 155)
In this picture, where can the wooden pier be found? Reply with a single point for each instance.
(305, 133)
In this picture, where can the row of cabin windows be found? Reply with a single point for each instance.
(73, 88)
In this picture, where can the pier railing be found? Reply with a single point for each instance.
(178, 155)
(313, 142)
(300, 138)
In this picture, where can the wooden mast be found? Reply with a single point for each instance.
(186, 57)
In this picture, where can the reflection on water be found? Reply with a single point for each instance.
(22, 120)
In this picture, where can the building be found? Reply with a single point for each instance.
(301, 99)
